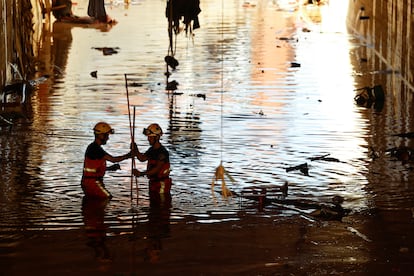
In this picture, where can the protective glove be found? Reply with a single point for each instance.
(134, 149)
(114, 167)
(134, 146)
(137, 173)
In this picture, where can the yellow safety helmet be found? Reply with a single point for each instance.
(103, 128)
(153, 130)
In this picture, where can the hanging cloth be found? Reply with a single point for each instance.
(189, 9)
(96, 9)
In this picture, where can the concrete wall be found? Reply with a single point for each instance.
(387, 26)
(4, 53)
(16, 29)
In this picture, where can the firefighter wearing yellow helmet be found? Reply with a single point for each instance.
(94, 166)
(158, 163)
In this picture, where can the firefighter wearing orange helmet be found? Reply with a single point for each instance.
(94, 166)
(158, 165)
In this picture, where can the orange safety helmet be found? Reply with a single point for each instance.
(153, 130)
(103, 128)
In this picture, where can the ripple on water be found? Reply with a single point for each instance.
(239, 101)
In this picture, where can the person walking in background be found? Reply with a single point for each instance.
(62, 9)
(96, 9)
(158, 166)
(94, 166)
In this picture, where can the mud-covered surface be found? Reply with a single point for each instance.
(250, 246)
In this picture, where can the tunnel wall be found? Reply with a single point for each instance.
(386, 26)
(16, 29)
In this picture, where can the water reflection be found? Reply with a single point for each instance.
(93, 212)
(158, 226)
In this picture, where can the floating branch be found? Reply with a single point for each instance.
(303, 168)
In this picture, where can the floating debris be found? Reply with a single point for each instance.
(39, 80)
(199, 95)
(402, 153)
(303, 168)
(261, 113)
(322, 211)
(107, 50)
(248, 4)
(13, 100)
(172, 85)
(371, 96)
(332, 212)
(286, 38)
(171, 61)
(405, 135)
(135, 84)
(265, 194)
(324, 158)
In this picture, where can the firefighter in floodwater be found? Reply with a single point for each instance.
(94, 167)
(335, 212)
(158, 166)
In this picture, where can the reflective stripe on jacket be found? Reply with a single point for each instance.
(162, 174)
(94, 168)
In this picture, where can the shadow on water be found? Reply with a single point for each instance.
(261, 88)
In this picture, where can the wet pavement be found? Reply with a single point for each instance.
(261, 88)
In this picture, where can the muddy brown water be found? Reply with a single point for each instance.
(261, 88)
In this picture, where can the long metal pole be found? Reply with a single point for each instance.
(133, 159)
(4, 23)
(130, 131)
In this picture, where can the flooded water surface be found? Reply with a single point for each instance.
(262, 87)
